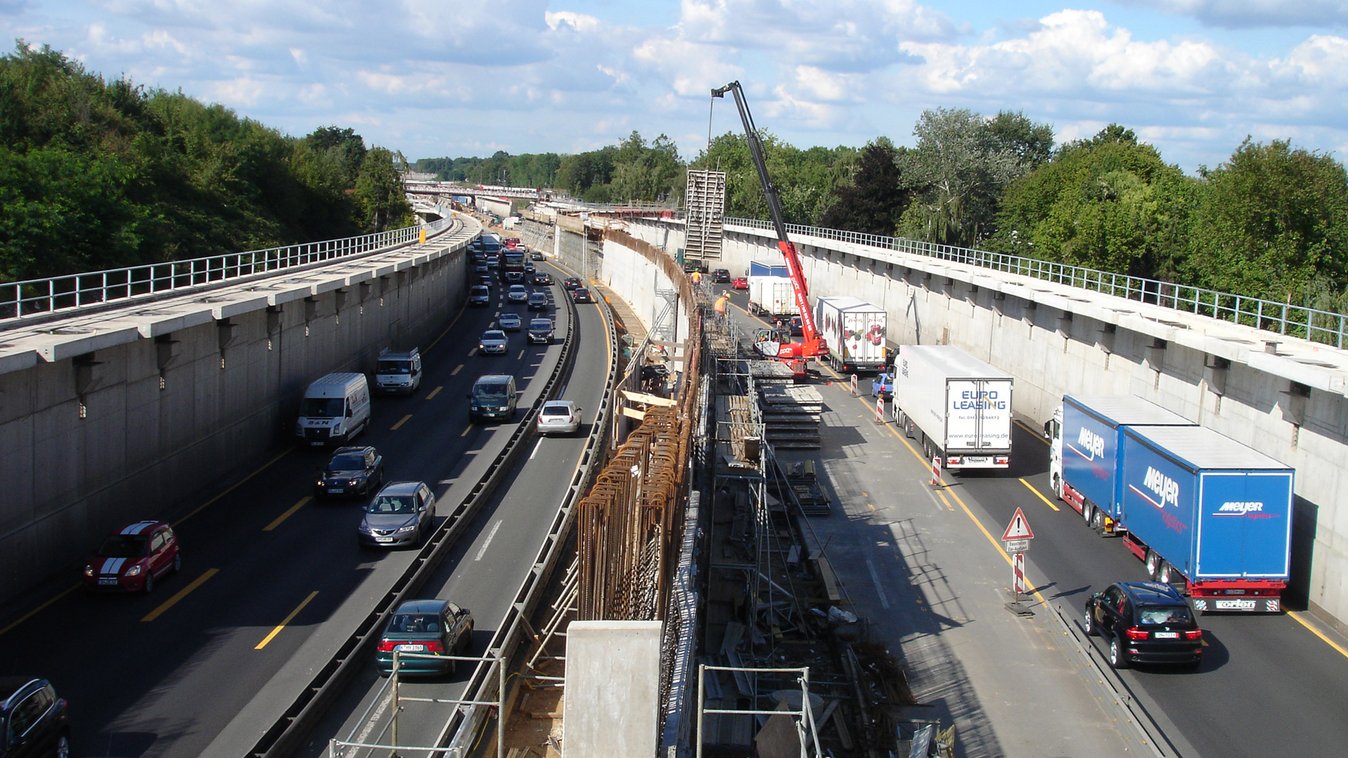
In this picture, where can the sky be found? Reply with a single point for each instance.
(455, 78)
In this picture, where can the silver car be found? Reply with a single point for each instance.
(510, 322)
(493, 342)
(517, 293)
(559, 417)
(402, 513)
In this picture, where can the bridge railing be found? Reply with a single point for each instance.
(41, 297)
(1316, 325)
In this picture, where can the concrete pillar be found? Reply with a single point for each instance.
(612, 688)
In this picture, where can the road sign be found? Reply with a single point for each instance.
(1016, 546)
(1018, 529)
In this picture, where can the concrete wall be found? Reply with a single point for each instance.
(645, 280)
(152, 424)
(612, 688)
(1057, 340)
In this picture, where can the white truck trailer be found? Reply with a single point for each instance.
(854, 331)
(956, 406)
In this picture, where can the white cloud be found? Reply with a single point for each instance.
(566, 20)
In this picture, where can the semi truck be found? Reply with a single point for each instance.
(771, 296)
(1198, 508)
(956, 406)
(855, 332)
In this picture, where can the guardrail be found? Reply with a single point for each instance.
(287, 733)
(61, 295)
(1308, 323)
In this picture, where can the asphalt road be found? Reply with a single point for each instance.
(1269, 685)
(272, 581)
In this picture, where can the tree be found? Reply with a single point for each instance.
(874, 200)
(959, 168)
(1272, 222)
(379, 191)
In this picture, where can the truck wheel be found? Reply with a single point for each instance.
(1164, 575)
(1087, 513)
(1117, 658)
(1098, 521)
(1153, 565)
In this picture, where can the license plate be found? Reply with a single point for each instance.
(336, 490)
(383, 539)
(1166, 635)
(411, 648)
(107, 581)
(1235, 605)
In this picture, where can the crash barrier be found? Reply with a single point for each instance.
(288, 731)
(35, 300)
(464, 726)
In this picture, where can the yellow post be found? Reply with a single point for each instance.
(422, 239)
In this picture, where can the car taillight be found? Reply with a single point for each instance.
(1193, 634)
(386, 646)
(1134, 633)
(435, 646)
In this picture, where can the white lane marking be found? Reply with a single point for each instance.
(879, 590)
(490, 536)
(538, 445)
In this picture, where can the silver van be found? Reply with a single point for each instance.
(398, 372)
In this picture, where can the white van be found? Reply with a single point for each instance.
(334, 410)
(398, 372)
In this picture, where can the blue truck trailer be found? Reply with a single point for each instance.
(1198, 508)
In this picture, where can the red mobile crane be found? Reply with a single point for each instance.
(811, 345)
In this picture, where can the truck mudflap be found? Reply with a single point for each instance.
(1239, 596)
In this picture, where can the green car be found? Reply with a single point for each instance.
(424, 628)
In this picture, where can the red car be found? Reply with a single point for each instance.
(740, 283)
(132, 559)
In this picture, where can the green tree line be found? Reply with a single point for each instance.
(99, 174)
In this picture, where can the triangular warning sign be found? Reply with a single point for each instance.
(1018, 529)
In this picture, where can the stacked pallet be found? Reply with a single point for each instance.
(790, 415)
(770, 372)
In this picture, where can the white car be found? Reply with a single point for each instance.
(559, 417)
(517, 293)
(510, 322)
(493, 342)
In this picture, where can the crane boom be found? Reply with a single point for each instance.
(812, 343)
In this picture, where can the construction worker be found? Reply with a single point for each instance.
(697, 278)
(722, 305)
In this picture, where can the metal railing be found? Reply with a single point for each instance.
(55, 295)
(1304, 322)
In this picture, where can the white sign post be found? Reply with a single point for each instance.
(1017, 538)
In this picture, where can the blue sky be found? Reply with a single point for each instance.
(431, 78)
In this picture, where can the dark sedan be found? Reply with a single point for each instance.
(542, 278)
(581, 295)
(572, 282)
(352, 472)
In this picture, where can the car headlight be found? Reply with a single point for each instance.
(88, 569)
(321, 482)
(405, 528)
(364, 527)
(354, 482)
(134, 570)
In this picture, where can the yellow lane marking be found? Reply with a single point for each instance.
(289, 512)
(456, 370)
(401, 421)
(466, 429)
(940, 495)
(1031, 488)
(431, 395)
(277, 629)
(179, 595)
(36, 610)
(1337, 647)
(1036, 433)
(235, 486)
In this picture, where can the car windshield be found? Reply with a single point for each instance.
(391, 504)
(348, 462)
(321, 407)
(394, 367)
(540, 323)
(478, 289)
(489, 391)
(1158, 615)
(414, 623)
(493, 334)
(123, 546)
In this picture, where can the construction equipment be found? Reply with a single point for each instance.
(777, 342)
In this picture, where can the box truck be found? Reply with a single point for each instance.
(855, 332)
(1198, 508)
(956, 406)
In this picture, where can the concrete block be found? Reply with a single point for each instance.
(612, 688)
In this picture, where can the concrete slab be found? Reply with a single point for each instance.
(612, 688)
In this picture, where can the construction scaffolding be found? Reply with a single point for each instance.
(705, 209)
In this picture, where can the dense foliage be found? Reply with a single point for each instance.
(97, 174)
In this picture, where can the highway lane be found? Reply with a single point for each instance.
(1268, 685)
(151, 675)
(482, 573)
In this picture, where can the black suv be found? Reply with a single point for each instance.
(721, 276)
(1145, 622)
(33, 720)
